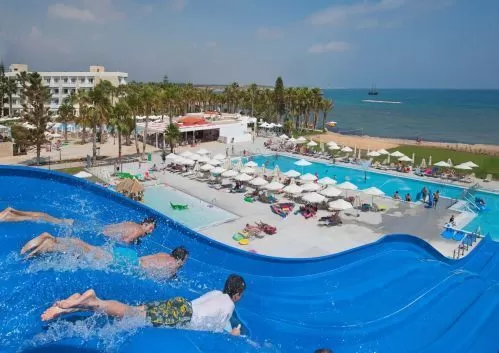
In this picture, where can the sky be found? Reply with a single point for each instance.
(323, 43)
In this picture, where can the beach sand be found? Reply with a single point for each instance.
(375, 143)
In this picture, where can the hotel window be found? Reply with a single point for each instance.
(65, 91)
(56, 80)
(73, 91)
(73, 80)
(91, 80)
(65, 80)
(56, 90)
(55, 101)
(47, 80)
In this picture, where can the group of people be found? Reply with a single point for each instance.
(212, 311)
(407, 197)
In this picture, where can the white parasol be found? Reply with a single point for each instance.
(326, 181)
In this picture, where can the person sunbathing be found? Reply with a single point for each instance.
(210, 312)
(12, 215)
(130, 232)
(159, 264)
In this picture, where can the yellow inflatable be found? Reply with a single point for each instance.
(243, 242)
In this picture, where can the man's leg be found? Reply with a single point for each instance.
(88, 301)
(46, 243)
(14, 215)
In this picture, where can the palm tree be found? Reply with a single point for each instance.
(66, 114)
(316, 100)
(252, 92)
(10, 88)
(148, 99)
(119, 118)
(35, 99)
(172, 134)
(103, 97)
(133, 101)
(327, 106)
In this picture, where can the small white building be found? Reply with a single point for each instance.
(62, 84)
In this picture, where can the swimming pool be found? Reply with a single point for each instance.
(488, 220)
(396, 295)
(199, 214)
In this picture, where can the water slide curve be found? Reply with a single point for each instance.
(396, 295)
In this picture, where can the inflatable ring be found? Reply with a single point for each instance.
(243, 242)
(237, 237)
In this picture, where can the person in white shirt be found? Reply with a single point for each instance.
(210, 312)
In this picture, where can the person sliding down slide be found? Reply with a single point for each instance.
(210, 312)
(160, 264)
(13, 215)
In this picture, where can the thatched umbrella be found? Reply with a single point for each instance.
(131, 188)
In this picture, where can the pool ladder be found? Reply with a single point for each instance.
(465, 244)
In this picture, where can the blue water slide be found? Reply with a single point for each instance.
(395, 295)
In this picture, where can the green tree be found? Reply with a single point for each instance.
(66, 114)
(280, 106)
(2, 86)
(327, 106)
(132, 98)
(120, 120)
(35, 97)
(172, 134)
(148, 98)
(288, 127)
(252, 94)
(316, 101)
(10, 88)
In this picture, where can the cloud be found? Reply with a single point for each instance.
(177, 5)
(340, 15)
(334, 46)
(211, 44)
(94, 11)
(269, 33)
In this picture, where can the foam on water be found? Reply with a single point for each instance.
(378, 101)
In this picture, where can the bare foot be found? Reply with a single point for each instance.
(72, 304)
(55, 311)
(32, 245)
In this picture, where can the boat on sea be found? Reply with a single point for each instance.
(331, 124)
(373, 91)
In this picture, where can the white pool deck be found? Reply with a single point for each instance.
(296, 236)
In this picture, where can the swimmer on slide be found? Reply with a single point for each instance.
(13, 215)
(159, 264)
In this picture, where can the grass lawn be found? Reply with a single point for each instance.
(75, 170)
(486, 164)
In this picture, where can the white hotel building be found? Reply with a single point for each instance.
(62, 84)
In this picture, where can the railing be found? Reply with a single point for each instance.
(465, 244)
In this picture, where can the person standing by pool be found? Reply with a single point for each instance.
(396, 196)
(424, 193)
(159, 264)
(210, 312)
(436, 197)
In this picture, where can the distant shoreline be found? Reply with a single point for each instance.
(375, 143)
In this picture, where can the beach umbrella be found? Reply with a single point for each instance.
(442, 164)
(83, 174)
(271, 125)
(308, 177)
(197, 167)
(423, 163)
(171, 156)
(471, 164)
(292, 139)
(284, 137)
(186, 161)
(274, 185)
(229, 173)
(331, 191)
(227, 164)
(388, 159)
(383, 152)
(347, 186)
(292, 173)
(248, 170)
(405, 159)
(207, 167)
(292, 188)
(358, 157)
(373, 191)
(278, 125)
(214, 161)
(186, 154)
(179, 160)
(326, 181)
(203, 159)
(202, 151)
(373, 154)
(239, 165)
(251, 164)
(301, 139)
(346, 149)
(312, 144)
(243, 177)
(276, 172)
(334, 147)
(397, 154)
(217, 170)
(264, 125)
(263, 169)
(258, 182)
(219, 156)
(310, 187)
(226, 182)
(332, 143)
(313, 197)
(413, 158)
(429, 161)
(463, 166)
(339, 205)
(302, 163)
(195, 157)
(449, 162)
(354, 150)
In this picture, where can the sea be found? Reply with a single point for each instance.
(454, 116)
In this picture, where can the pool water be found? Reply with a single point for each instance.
(488, 220)
(198, 215)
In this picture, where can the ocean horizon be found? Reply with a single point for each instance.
(445, 115)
